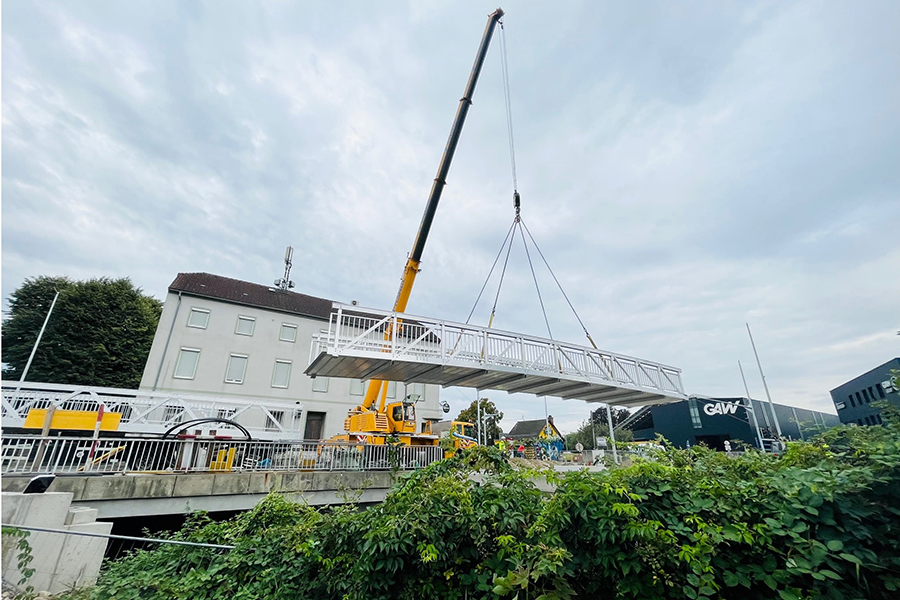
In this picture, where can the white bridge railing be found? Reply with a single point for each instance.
(58, 455)
(355, 331)
(145, 411)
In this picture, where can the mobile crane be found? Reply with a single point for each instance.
(373, 421)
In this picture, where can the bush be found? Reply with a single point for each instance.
(823, 521)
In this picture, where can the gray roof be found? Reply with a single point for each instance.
(528, 429)
(236, 291)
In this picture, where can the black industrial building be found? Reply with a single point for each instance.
(853, 400)
(712, 421)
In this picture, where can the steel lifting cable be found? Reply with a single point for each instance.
(566, 296)
(534, 276)
(503, 272)
(510, 235)
(491, 272)
(504, 64)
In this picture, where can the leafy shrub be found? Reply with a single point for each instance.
(822, 521)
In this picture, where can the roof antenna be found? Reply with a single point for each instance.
(285, 282)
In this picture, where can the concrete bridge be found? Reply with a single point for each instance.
(143, 477)
(133, 495)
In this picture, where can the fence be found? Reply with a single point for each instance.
(59, 455)
(56, 560)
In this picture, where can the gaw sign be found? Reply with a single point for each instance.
(721, 408)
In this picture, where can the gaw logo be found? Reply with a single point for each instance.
(720, 408)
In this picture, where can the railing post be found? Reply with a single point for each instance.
(338, 326)
(394, 336)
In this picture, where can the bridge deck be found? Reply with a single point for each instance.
(363, 343)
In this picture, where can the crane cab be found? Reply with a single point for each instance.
(401, 417)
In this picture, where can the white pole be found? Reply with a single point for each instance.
(772, 404)
(478, 413)
(37, 341)
(35, 347)
(751, 409)
(612, 435)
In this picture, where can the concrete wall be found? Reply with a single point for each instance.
(162, 494)
(60, 561)
(219, 340)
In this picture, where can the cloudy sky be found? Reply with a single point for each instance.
(686, 167)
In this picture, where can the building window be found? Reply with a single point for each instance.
(273, 423)
(245, 325)
(880, 391)
(391, 389)
(878, 419)
(225, 413)
(186, 364)
(859, 399)
(237, 367)
(281, 374)
(416, 389)
(198, 317)
(859, 421)
(320, 384)
(288, 333)
(866, 396)
(357, 387)
(695, 413)
(850, 397)
(173, 414)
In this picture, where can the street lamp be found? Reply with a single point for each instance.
(482, 426)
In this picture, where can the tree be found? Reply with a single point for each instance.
(491, 423)
(586, 434)
(598, 416)
(99, 334)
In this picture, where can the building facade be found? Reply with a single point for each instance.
(227, 337)
(713, 421)
(853, 400)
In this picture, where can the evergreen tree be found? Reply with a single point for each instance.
(99, 334)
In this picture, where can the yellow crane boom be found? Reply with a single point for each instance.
(376, 387)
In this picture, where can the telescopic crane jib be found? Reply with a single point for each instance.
(365, 418)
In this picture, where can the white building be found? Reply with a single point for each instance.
(228, 337)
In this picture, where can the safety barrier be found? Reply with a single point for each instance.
(59, 455)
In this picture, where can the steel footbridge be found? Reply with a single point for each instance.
(363, 343)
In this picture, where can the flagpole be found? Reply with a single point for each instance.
(765, 385)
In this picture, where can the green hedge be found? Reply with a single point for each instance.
(822, 521)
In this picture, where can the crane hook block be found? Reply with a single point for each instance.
(517, 201)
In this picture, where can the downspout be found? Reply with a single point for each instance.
(168, 339)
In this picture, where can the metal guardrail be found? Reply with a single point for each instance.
(365, 332)
(59, 455)
(145, 411)
(127, 538)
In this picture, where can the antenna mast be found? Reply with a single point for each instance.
(285, 282)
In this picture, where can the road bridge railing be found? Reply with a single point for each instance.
(147, 411)
(74, 455)
(367, 343)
